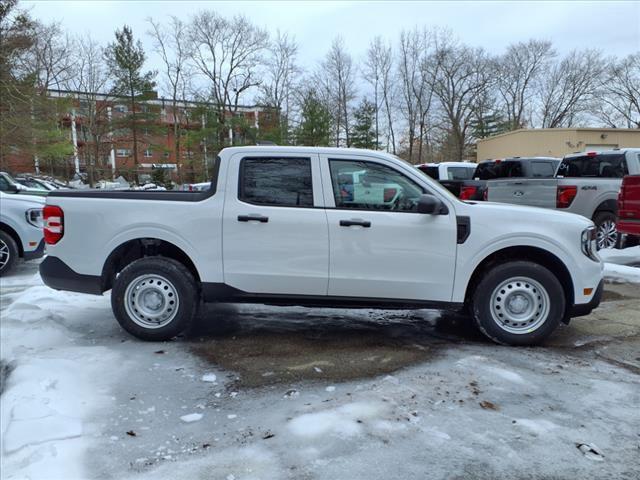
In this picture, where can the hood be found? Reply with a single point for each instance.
(506, 212)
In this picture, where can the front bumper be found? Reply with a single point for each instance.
(585, 308)
(58, 275)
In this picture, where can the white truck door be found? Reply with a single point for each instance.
(275, 238)
(380, 247)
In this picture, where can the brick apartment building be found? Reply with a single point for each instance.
(93, 125)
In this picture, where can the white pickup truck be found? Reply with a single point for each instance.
(277, 226)
(585, 183)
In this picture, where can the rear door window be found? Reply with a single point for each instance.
(278, 182)
(594, 166)
(486, 171)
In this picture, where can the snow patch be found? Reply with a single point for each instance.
(344, 421)
(191, 417)
(209, 377)
(621, 273)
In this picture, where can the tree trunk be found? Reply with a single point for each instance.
(134, 131)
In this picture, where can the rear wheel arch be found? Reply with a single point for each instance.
(532, 254)
(132, 250)
(610, 205)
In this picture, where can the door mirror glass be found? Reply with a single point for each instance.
(431, 205)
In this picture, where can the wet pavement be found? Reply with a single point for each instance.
(270, 345)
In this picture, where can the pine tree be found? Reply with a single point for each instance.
(126, 58)
(315, 127)
(364, 129)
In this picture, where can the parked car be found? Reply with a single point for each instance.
(585, 183)
(20, 229)
(628, 223)
(513, 167)
(9, 185)
(275, 228)
(35, 183)
(450, 174)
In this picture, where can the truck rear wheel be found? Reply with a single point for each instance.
(155, 298)
(8, 252)
(518, 303)
(607, 235)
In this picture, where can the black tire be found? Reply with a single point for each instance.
(183, 289)
(534, 328)
(602, 220)
(9, 253)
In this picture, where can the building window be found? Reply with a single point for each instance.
(121, 108)
(148, 153)
(166, 154)
(123, 152)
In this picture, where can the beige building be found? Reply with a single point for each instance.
(555, 142)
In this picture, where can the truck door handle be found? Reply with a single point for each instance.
(253, 218)
(355, 222)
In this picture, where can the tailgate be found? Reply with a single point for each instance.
(536, 192)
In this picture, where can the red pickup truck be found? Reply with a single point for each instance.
(629, 206)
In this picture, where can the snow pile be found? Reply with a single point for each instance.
(56, 382)
(621, 265)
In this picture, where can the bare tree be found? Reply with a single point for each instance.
(228, 53)
(280, 72)
(463, 77)
(518, 71)
(88, 77)
(171, 43)
(49, 59)
(337, 77)
(378, 72)
(567, 88)
(620, 93)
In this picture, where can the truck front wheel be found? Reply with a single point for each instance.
(155, 298)
(518, 303)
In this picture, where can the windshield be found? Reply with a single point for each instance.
(595, 166)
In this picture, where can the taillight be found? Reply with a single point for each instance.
(565, 195)
(389, 193)
(468, 192)
(53, 224)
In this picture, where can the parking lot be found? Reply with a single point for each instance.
(266, 392)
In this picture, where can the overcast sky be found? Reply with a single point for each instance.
(613, 27)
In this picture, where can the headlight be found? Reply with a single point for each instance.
(589, 245)
(34, 217)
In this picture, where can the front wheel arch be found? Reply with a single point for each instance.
(532, 254)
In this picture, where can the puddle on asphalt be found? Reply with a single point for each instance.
(270, 345)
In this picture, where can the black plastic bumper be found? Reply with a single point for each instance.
(586, 308)
(37, 253)
(59, 276)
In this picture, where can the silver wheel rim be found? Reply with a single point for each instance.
(151, 301)
(607, 235)
(520, 305)
(5, 254)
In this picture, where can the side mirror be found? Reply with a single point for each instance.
(431, 205)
